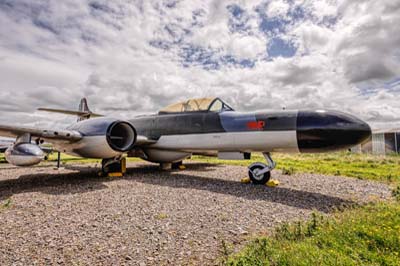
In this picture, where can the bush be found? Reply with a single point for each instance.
(299, 230)
(396, 193)
(288, 171)
(7, 203)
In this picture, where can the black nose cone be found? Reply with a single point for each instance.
(320, 131)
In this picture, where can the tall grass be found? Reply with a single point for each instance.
(368, 235)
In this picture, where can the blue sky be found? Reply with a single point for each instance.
(132, 57)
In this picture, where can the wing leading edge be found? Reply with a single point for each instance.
(16, 131)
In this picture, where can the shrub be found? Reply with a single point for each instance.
(288, 171)
(7, 203)
(396, 193)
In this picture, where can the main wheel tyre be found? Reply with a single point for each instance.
(176, 165)
(257, 178)
(110, 167)
(105, 168)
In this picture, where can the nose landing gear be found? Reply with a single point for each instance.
(260, 173)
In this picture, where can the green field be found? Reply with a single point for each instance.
(362, 166)
(67, 159)
(368, 235)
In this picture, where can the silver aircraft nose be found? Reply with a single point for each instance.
(319, 131)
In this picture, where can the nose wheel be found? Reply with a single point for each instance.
(260, 173)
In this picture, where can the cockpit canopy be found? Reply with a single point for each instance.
(197, 105)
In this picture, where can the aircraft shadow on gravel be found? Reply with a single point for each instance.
(287, 196)
(87, 180)
(54, 184)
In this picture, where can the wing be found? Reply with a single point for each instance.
(68, 135)
(14, 131)
(69, 112)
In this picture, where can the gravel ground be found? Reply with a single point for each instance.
(153, 217)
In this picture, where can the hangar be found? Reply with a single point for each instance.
(381, 142)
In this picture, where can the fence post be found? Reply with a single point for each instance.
(58, 159)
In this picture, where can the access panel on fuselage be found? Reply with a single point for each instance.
(145, 126)
(177, 124)
(188, 123)
(278, 120)
(260, 121)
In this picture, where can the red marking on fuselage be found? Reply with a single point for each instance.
(256, 125)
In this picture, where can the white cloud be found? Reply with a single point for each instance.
(26, 71)
(313, 38)
(278, 8)
(215, 33)
(323, 8)
(219, 38)
(53, 53)
(247, 47)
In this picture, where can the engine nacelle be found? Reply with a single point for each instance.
(102, 138)
(24, 154)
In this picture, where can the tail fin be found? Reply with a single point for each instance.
(83, 113)
(84, 108)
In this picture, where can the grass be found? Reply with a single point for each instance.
(362, 166)
(6, 204)
(364, 235)
(367, 235)
(2, 159)
(396, 193)
(161, 216)
(65, 158)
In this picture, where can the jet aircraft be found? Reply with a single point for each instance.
(194, 126)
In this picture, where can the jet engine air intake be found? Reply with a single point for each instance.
(121, 136)
(101, 138)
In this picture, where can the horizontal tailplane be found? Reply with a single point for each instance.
(83, 113)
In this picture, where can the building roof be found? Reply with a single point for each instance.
(390, 130)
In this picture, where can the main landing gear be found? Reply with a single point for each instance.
(172, 166)
(260, 173)
(113, 167)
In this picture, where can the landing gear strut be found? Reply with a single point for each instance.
(260, 173)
